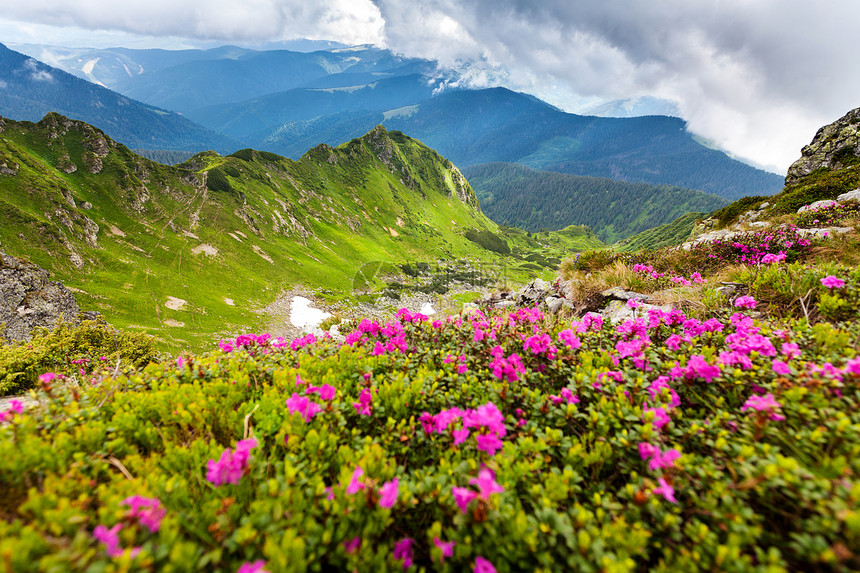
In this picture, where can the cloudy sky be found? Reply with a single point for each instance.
(757, 77)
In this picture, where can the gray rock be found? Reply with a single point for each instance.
(849, 196)
(539, 284)
(760, 225)
(618, 293)
(505, 304)
(28, 299)
(554, 304)
(817, 205)
(763, 206)
(828, 145)
(822, 233)
(726, 290)
(618, 311)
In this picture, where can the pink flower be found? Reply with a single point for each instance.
(147, 510)
(633, 303)
(363, 404)
(253, 567)
(403, 551)
(698, 366)
(355, 485)
(232, 465)
(47, 378)
(460, 436)
(463, 496)
(570, 339)
(304, 406)
(569, 396)
(388, 493)
(352, 545)
(832, 282)
(745, 302)
(666, 490)
(109, 538)
(660, 419)
(225, 346)
(780, 367)
(766, 403)
(482, 566)
(790, 350)
(486, 482)
(446, 547)
(327, 392)
(489, 443)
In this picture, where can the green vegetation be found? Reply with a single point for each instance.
(74, 351)
(670, 234)
(156, 249)
(664, 445)
(533, 200)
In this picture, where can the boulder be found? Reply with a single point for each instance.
(28, 299)
(831, 145)
(817, 205)
(849, 196)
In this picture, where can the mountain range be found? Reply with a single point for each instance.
(287, 102)
(188, 250)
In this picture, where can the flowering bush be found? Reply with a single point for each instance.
(829, 215)
(662, 443)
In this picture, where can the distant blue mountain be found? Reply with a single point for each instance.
(29, 89)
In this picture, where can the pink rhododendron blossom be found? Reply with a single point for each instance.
(225, 346)
(569, 396)
(327, 392)
(697, 366)
(852, 367)
(660, 419)
(647, 450)
(388, 493)
(780, 367)
(403, 551)
(790, 350)
(363, 404)
(489, 443)
(147, 510)
(460, 436)
(633, 303)
(232, 465)
(354, 484)
(832, 282)
(656, 388)
(463, 496)
(257, 566)
(666, 490)
(483, 566)
(109, 538)
(766, 403)
(352, 545)
(569, 338)
(446, 547)
(745, 302)
(486, 483)
(303, 405)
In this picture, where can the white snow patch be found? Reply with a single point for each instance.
(427, 309)
(229, 301)
(303, 316)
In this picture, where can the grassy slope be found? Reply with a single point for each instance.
(673, 233)
(274, 223)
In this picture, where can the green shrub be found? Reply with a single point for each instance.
(216, 180)
(562, 468)
(73, 350)
(730, 213)
(488, 240)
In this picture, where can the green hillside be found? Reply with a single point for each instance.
(191, 251)
(614, 210)
(670, 234)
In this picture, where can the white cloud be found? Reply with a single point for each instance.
(758, 77)
(31, 67)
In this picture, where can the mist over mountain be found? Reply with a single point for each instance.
(30, 89)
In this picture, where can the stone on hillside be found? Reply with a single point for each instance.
(554, 304)
(827, 232)
(618, 293)
(830, 145)
(817, 205)
(505, 304)
(28, 299)
(617, 311)
(849, 196)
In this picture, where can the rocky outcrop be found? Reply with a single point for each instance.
(28, 299)
(830, 148)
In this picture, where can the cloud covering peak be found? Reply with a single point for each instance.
(757, 77)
